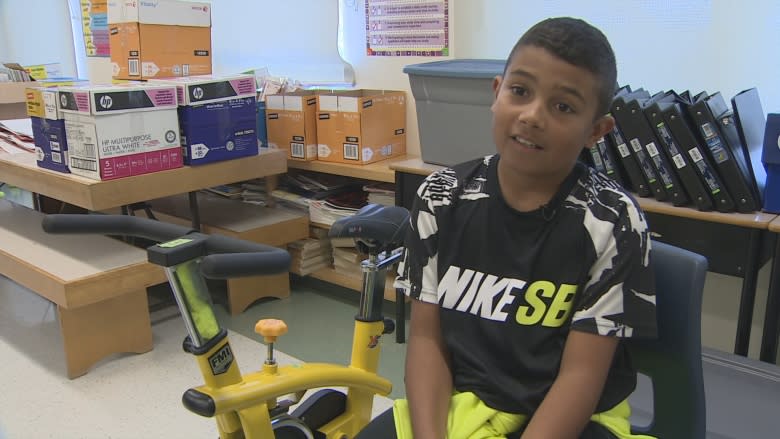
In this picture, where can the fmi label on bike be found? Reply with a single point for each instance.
(221, 360)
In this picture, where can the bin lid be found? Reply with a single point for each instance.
(459, 68)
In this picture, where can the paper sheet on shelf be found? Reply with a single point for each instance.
(23, 126)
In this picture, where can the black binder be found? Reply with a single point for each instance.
(751, 122)
(658, 155)
(708, 129)
(675, 116)
(609, 164)
(635, 177)
(628, 127)
(681, 162)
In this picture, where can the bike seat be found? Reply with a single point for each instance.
(377, 224)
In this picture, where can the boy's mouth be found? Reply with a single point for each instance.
(525, 143)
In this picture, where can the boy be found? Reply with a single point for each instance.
(528, 269)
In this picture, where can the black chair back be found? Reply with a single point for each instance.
(673, 361)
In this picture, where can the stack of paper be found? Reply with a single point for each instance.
(309, 255)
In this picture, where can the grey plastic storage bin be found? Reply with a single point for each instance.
(453, 101)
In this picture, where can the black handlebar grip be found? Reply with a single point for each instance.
(230, 265)
(231, 257)
(113, 225)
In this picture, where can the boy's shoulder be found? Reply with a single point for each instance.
(597, 186)
(449, 181)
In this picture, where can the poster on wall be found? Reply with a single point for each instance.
(407, 28)
(94, 23)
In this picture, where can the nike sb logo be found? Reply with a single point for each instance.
(487, 295)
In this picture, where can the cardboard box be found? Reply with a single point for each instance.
(159, 39)
(12, 100)
(166, 12)
(51, 144)
(291, 123)
(120, 131)
(48, 124)
(144, 51)
(361, 126)
(217, 117)
(203, 89)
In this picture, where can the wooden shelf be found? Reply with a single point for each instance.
(22, 171)
(379, 171)
(353, 283)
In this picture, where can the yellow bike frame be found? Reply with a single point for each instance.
(241, 404)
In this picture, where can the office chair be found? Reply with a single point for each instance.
(673, 361)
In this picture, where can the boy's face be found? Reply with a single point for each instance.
(544, 114)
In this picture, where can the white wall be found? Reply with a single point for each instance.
(30, 38)
(700, 45)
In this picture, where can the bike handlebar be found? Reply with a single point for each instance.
(113, 225)
(226, 257)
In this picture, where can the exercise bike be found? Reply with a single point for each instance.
(257, 405)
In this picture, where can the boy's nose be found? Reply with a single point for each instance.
(532, 114)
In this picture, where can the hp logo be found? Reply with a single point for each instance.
(106, 102)
(170, 136)
(197, 93)
(63, 101)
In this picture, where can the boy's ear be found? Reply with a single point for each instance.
(496, 85)
(601, 127)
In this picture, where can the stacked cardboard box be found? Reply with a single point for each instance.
(159, 39)
(216, 116)
(353, 126)
(122, 130)
(361, 126)
(291, 124)
(48, 123)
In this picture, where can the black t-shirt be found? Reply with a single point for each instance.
(512, 284)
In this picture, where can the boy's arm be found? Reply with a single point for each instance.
(572, 399)
(428, 376)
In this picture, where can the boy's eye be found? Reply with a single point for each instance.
(518, 90)
(564, 108)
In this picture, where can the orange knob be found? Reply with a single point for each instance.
(270, 329)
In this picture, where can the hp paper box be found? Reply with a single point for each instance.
(121, 131)
(217, 117)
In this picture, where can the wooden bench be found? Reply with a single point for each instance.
(97, 283)
(277, 226)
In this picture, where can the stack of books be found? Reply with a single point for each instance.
(346, 261)
(381, 193)
(309, 255)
